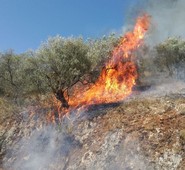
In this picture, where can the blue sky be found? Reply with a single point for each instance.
(24, 24)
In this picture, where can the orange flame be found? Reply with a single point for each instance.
(119, 74)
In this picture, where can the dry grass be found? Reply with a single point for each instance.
(8, 110)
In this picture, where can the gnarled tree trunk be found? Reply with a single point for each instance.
(60, 96)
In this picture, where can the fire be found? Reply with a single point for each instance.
(119, 74)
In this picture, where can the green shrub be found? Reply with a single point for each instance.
(12, 75)
(171, 55)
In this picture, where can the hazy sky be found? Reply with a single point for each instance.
(24, 24)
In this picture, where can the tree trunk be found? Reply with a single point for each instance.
(60, 96)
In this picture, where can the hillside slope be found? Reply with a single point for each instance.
(140, 133)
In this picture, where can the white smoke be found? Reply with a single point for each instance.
(167, 21)
(167, 17)
(45, 149)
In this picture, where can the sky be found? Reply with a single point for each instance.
(25, 24)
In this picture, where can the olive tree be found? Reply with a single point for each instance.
(34, 81)
(11, 74)
(171, 55)
(62, 62)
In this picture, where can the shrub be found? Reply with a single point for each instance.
(12, 75)
(171, 55)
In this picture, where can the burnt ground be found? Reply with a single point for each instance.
(138, 133)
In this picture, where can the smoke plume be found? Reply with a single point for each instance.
(167, 19)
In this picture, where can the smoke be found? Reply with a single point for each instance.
(167, 18)
(45, 149)
(50, 146)
(167, 21)
(54, 148)
(165, 87)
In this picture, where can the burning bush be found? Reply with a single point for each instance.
(54, 67)
(60, 63)
(65, 62)
(107, 65)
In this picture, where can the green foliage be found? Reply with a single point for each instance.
(99, 52)
(57, 65)
(62, 62)
(100, 49)
(171, 55)
(17, 75)
(35, 82)
(12, 74)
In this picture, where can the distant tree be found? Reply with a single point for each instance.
(11, 74)
(34, 82)
(171, 55)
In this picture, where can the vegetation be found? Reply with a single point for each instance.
(12, 74)
(171, 55)
(60, 63)
(57, 65)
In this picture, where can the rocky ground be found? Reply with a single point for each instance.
(142, 132)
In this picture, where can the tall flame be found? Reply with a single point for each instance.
(119, 74)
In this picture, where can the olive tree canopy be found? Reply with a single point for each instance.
(62, 62)
(12, 74)
(171, 55)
